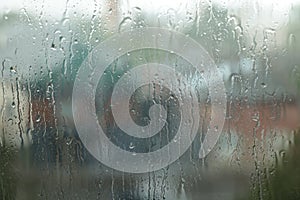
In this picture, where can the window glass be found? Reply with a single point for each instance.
(149, 99)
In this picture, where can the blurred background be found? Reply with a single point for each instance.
(255, 45)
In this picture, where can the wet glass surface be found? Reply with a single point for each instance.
(218, 80)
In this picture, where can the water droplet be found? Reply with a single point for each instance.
(13, 69)
(263, 85)
(131, 145)
(138, 8)
(282, 153)
(216, 128)
(38, 119)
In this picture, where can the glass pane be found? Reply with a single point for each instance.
(149, 99)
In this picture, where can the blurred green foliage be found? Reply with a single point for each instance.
(8, 177)
(282, 182)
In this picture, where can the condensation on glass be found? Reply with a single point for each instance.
(254, 46)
